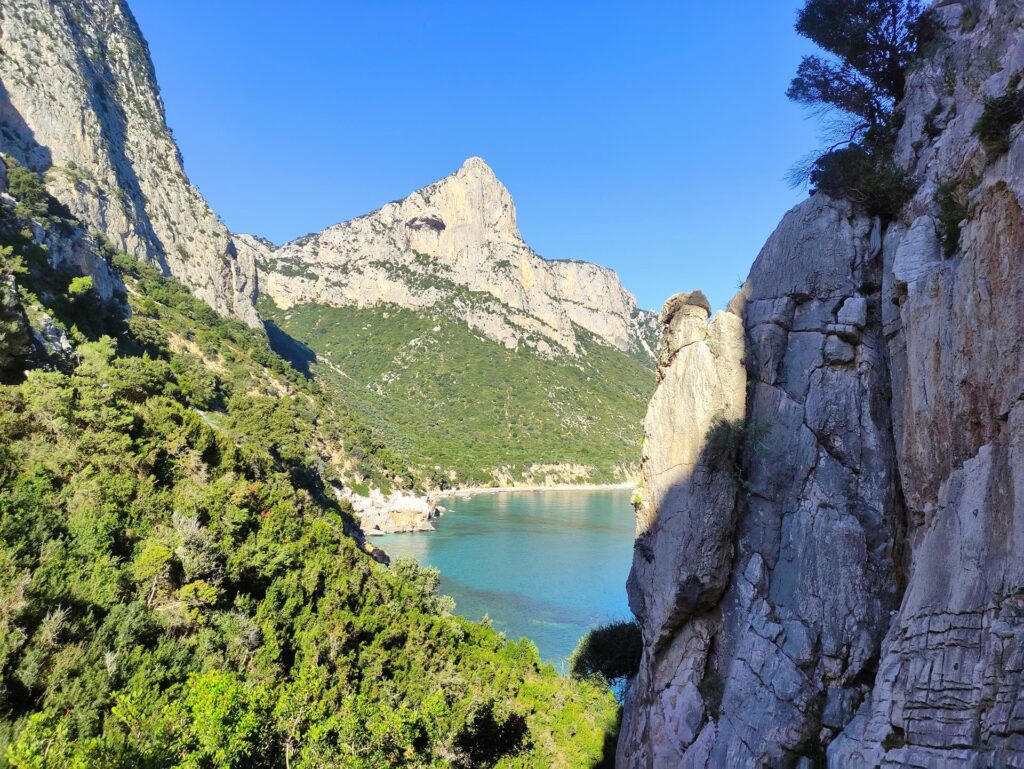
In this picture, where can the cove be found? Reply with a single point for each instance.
(542, 564)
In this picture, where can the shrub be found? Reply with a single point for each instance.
(611, 651)
(80, 287)
(487, 738)
(1000, 115)
(866, 178)
(27, 188)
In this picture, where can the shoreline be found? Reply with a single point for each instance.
(400, 513)
(474, 490)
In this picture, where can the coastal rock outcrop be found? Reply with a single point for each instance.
(858, 598)
(456, 243)
(79, 103)
(392, 513)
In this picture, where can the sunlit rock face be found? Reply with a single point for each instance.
(79, 102)
(765, 569)
(456, 243)
(858, 594)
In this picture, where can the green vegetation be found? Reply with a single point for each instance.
(871, 44)
(27, 188)
(167, 315)
(1000, 115)
(447, 398)
(179, 587)
(864, 174)
(611, 651)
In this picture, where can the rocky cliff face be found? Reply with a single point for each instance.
(846, 579)
(456, 242)
(79, 102)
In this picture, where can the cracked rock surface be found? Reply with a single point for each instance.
(848, 587)
(79, 103)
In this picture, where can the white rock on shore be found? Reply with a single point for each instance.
(397, 512)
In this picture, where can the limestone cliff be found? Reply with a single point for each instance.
(79, 102)
(845, 580)
(456, 242)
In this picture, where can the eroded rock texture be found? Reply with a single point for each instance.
(799, 526)
(860, 598)
(79, 103)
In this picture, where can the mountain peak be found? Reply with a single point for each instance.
(476, 164)
(473, 204)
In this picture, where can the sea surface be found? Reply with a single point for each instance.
(542, 564)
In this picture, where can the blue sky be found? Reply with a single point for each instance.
(651, 137)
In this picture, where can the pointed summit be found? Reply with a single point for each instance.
(476, 165)
(455, 243)
(471, 201)
(476, 171)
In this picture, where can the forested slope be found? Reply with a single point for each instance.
(178, 585)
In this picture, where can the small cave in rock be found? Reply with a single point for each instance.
(426, 222)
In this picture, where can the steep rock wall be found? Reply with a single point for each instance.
(802, 599)
(79, 102)
(872, 613)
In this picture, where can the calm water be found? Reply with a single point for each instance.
(546, 565)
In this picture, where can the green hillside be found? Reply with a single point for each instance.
(180, 587)
(446, 397)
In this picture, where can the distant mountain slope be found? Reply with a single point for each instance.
(462, 408)
(457, 241)
(80, 107)
(476, 359)
(79, 103)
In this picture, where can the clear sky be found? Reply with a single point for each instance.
(651, 137)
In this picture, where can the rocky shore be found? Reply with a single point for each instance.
(394, 513)
(400, 512)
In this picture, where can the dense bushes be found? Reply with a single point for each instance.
(177, 587)
(865, 175)
(173, 597)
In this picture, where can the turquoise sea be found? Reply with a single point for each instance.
(542, 564)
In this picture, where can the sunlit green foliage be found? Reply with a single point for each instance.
(446, 397)
(178, 586)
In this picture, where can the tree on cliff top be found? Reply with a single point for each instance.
(871, 44)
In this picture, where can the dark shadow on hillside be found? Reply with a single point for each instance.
(611, 741)
(17, 139)
(292, 350)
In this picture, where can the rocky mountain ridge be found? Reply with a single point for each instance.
(456, 242)
(829, 566)
(79, 103)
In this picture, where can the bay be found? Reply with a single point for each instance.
(547, 565)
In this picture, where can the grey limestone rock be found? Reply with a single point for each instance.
(859, 596)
